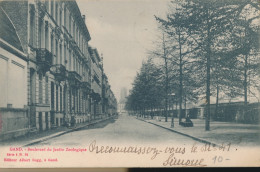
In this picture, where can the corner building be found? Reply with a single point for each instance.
(59, 66)
(64, 75)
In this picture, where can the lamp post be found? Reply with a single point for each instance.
(172, 122)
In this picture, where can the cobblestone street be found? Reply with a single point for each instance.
(126, 129)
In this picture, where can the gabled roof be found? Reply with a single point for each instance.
(8, 32)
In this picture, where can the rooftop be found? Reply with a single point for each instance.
(8, 32)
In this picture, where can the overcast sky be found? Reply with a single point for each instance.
(123, 31)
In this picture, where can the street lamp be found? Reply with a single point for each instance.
(172, 123)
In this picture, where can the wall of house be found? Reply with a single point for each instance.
(13, 96)
(14, 122)
(13, 70)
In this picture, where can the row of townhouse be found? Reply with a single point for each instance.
(49, 76)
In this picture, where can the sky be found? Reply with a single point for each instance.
(123, 31)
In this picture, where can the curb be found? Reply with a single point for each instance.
(187, 135)
(63, 132)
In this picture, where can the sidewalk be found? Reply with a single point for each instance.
(35, 138)
(220, 132)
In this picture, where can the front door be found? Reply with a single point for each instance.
(40, 121)
(47, 120)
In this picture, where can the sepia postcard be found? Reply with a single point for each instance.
(129, 83)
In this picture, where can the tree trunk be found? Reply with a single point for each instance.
(180, 79)
(185, 107)
(217, 97)
(245, 86)
(207, 122)
(166, 80)
(245, 80)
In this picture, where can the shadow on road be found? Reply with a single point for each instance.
(27, 137)
(98, 125)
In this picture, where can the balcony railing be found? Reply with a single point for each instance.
(74, 79)
(96, 79)
(73, 42)
(95, 96)
(43, 59)
(58, 30)
(43, 56)
(59, 71)
(74, 75)
(86, 87)
(105, 100)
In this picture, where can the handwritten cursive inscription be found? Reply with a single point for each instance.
(125, 149)
(173, 161)
(175, 154)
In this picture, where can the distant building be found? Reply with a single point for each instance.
(122, 101)
(96, 82)
(109, 102)
(123, 95)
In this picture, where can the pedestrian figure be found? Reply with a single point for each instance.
(73, 121)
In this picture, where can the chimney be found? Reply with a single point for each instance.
(84, 18)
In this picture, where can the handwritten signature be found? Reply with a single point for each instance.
(173, 152)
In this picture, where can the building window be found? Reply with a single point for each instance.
(65, 17)
(76, 33)
(69, 105)
(46, 36)
(82, 45)
(40, 88)
(74, 63)
(78, 38)
(80, 67)
(74, 29)
(74, 101)
(70, 24)
(56, 53)
(65, 57)
(61, 62)
(46, 90)
(52, 7)
(70, 59)
(57, 98)
(47, 5)
(60, 17)
(61, 99)
(64, 99)
(32, 27)
(77, 101)
(56, 11)
(52, 95)
(52, 49)
(80, 41)
(40, 34)
(47, 120)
